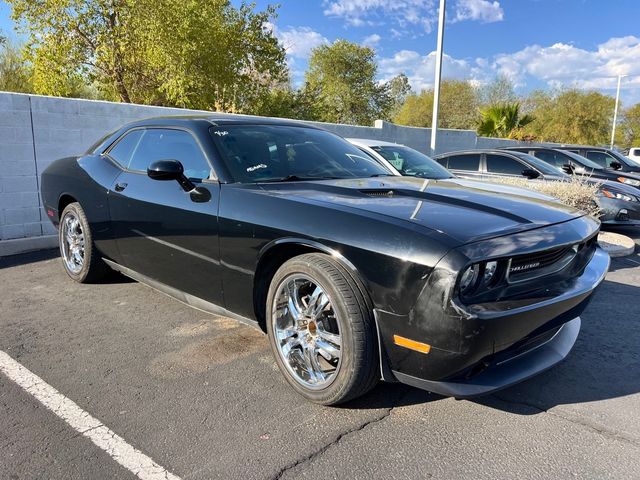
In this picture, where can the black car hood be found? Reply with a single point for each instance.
(464, 210)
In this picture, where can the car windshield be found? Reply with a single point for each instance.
(538, 164)
(412, 163)
(272, 153)
(621, 158)
(585, 162)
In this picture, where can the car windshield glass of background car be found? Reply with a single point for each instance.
(262, 153)
(584, 161)
(540, 165)
(411, 162)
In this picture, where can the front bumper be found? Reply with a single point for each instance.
(481, 349)
(507, 370)
(615, 211)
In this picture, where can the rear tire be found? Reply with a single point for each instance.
(80, 258)
(321, 330)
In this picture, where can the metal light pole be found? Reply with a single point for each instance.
(436, 86)
(615, 111)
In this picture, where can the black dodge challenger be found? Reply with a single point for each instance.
(355, 274)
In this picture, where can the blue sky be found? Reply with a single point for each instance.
(537, 43)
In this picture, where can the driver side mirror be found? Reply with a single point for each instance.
(616, 165)
(170, 170)
(530, 173)
(567, 168)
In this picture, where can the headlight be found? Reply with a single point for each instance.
(629, 181)
(619, 195)
(489, 271)
(468, 278)
(479, 276)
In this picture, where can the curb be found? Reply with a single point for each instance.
(24, 245)
(616, 245)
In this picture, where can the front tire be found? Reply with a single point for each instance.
(321, 330)
(80, 258)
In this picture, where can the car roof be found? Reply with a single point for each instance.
(217, 119)
(373, 143)
(583, 147)
(537, 147)
(477, 151)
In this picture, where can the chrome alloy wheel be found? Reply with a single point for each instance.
(72, 243)
(306, 331)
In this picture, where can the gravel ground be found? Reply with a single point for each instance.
(201, 395)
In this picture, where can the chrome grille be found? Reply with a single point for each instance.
(537, 264)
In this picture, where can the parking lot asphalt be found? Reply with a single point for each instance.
(202, 397)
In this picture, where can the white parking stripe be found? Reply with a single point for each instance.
(116, 447)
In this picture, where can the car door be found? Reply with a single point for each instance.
(601, 158)
(163, 232)
(555, 159)
(497, 166)
(466, 165)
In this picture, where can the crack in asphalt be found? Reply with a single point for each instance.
(336, 440)
(609, 434)
(312, 456)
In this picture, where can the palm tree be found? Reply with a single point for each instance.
(502, 120)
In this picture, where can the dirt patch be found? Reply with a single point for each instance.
(198, 357)
(202, 327)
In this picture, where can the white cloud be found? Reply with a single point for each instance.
(557, 65)
(420, 69)
(482, 10)
(409, 13)
(565, 64)
(371, 40)
(299, 41)
(373, 12)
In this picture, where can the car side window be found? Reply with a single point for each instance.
(504, 164)
(464, 162)
(170, 144)
(552, 158)
(123, 150)
(601, 158)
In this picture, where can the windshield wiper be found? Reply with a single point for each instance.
(382, 175)
(294, 178)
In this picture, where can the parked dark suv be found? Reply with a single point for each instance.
(619, 193)
(489, 164)
(605, 157)
(573, 163)
(619, 204)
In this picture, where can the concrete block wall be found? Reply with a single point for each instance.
(35, 130)
(19, 197)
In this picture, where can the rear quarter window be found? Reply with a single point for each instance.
(464, 162)
(504, 164)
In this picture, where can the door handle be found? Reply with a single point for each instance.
(120, 187)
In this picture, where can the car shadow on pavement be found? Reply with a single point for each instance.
(391, 395)
(604, 363)
(26, 258)
(50, 254)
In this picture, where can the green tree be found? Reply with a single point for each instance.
(341, 84)
(499, 91)
(196, 54)
(570, 116)
(15, 74)
(285, 102)
(630, 127)
(502, 121)
(399, 90)
(459, 103)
